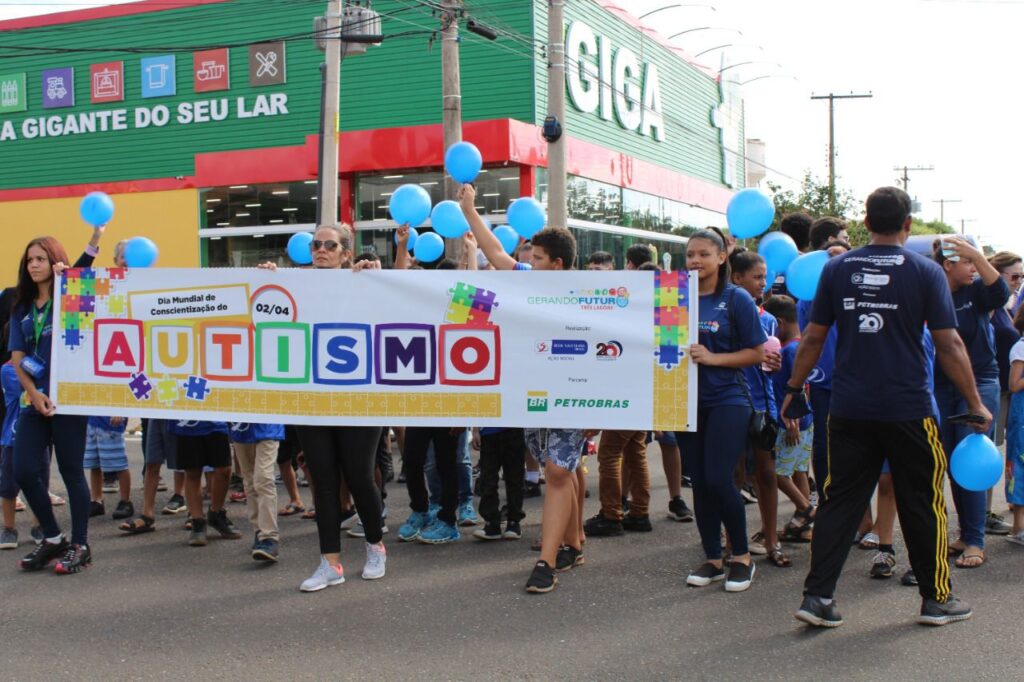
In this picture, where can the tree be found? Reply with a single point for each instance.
(813, 199)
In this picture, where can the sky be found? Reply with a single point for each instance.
(939, 72)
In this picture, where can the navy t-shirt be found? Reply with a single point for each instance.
(1006, 336)
(758, 381)
(879, 298)
(821, 375)
(22, 337)
(722, 330)
(974, 304)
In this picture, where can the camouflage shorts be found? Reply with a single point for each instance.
(563, 447)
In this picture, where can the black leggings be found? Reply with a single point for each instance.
(333, 452)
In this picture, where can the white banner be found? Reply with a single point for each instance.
(539, 349)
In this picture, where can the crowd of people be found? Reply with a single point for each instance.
(863, 389)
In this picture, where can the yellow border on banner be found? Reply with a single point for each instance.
(671, 395)
(309, 403)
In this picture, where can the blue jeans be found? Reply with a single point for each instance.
(31, 463)
(820, 401)
(463, 470)
(970, 505)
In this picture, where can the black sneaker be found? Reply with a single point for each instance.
(43, 553)
(705, 575)
(96, 509)
(197, 533)
(882, 565)
(909, 579)
(950, 611)
(599, 526)
(220, 522)
(748, 494)
(531, 489)
(542, 579)
(512, 531)
(75, 559)
(568, 557)
(637, 524)
(678, 511)
(740, 576)
(625, 505)
(265, 550)
(125, 510)
(491, 531)
(814, 611)
(175, 505)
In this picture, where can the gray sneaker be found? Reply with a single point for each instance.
(324, 575)
(1016, 538)
(995, 525)
(8, 538)
(950, 611)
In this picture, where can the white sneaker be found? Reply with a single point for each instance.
(1016, 538)
(376, 558)
(324, 575)
(357, 531)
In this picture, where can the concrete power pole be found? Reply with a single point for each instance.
(557, 209)
(832, 142)
(327, 185)
(451, 94)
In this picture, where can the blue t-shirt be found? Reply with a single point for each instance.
(781, 378)
(761, 392)
(104, 423)
(974, 305)
(22, 337)
(186, 427)
(242, 432)
(879, 298)
(821, 375)
(728, 323)
(12, 394)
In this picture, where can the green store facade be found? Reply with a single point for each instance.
(200, 118)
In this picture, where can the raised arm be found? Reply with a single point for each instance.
(485, 238)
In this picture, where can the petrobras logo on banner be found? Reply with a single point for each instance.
(536, 401)
(587, 299)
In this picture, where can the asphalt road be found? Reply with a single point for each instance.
(152, 607)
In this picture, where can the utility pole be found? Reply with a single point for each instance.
(963, 223)
(557, 210)
(451, 96)
(832, 97)
(327, 179)
(906, 170)
(942, 207)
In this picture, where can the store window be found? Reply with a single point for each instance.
(496, 188)
(245, 251)
(285, 203)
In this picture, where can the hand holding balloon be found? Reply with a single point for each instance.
(463, 161)
(97, 208)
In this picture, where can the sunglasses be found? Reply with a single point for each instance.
(1015, 277)
(329, 245)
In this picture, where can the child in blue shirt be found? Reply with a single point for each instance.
(255, 446)
(205, 444)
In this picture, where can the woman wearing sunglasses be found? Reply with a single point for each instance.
(336, 452)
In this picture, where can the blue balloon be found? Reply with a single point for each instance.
(526, 216)
(463, 161)
(448, 221)
(750, 213)
(976, 463)
(803, 274)
(413, 236)
(508, 237)
(140, 252)
(299, 248)
(97, 208)
(778, 251)
(410, 205)
(429, 247)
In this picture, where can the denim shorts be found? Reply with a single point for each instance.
(105, 450)
(790, 459)
(161, 444)
(562, 447)
(1015, 481)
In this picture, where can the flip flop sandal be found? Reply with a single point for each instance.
(134, 528)
(309, 515)
(869, 541)
(962, 560)
(777, 558)
(955, 552)
(290, 509)
(794, 534)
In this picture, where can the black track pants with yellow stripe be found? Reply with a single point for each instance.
(856, 450)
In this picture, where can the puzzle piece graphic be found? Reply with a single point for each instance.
(70, 320)
(464, 294)
(479, 318)
(666, 336)
(72, 338)
(457, 313)
(85, 321)
(196, 388)
(116, 305)
(116, 273)
(668, 356)
(484, 297)
(87, 303)
(167, 390)
(74, 273)
(88, 286)
(666, 297)
(103, 287)
(669, 317)
(140, 386)
(70, 304)
(74, 287)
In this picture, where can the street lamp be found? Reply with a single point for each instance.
(647, 14)
(720, 47)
